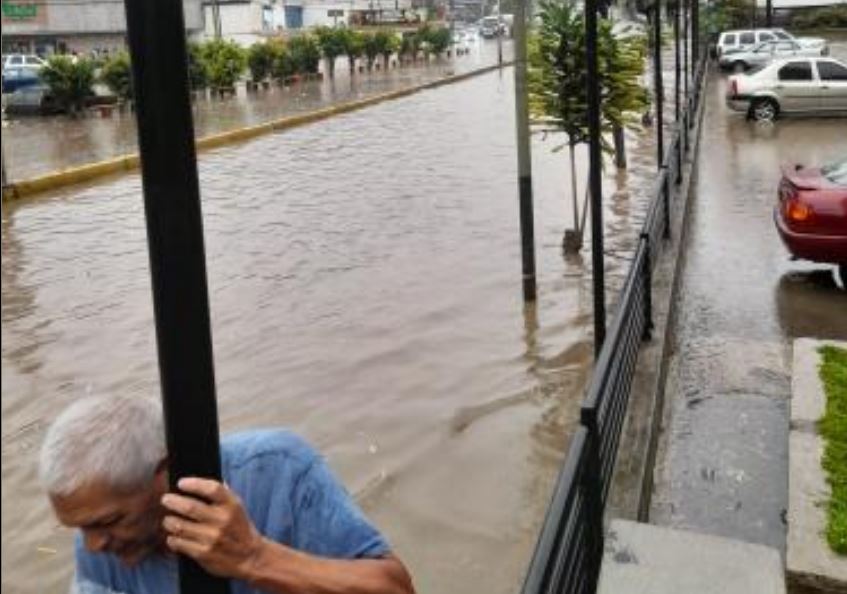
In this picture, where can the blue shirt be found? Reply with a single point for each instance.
(290, 495)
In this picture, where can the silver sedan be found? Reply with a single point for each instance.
(804, 85)
(766, 52)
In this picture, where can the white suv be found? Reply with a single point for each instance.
(746, 39)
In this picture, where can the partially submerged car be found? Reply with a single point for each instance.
(809, 86)
(811, 213)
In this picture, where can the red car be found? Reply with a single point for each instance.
(811, 216)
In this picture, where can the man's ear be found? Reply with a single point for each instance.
(161, 474)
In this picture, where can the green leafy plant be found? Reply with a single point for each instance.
(70, 82)
(283, 65)
(198, 76)
(332, 44)
(260, 60)
(354, 47)
(371, 48)
(387, 43)
(830, 17)
(558, 81)
(305, 53)
(410, 46)
(224, 61)
(117, 75)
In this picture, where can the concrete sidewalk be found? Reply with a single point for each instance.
(722, 465)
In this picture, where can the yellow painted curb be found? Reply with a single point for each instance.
(91, 171)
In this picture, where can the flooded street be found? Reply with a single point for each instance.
(39, 145)
(742, 301)
(365, 291)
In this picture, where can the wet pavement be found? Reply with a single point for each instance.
(722, 467)
(39, 145)
(365, 291)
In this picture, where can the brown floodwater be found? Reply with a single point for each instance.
(365, 291)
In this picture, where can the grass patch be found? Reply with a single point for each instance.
(833, 428)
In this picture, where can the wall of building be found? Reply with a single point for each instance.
(245, 22)
(36, 17)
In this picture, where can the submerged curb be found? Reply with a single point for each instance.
(92, 171)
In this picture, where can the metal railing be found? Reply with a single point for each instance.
(569, 551)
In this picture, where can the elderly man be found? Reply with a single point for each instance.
(280, 522)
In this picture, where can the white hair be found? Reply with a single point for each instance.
(118, 440)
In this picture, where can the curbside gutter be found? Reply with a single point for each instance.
(92, 171)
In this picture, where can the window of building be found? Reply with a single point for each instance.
(796, 71)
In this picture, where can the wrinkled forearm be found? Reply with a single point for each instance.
(282, 570)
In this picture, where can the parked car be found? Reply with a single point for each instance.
(811, 213)
(746, 39)
(811, 86)
(22, 61)
(17, 77)
(763, 54)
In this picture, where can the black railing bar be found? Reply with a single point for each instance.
(579, 568)
(616, 372)
(600, 374)
(619, 393)
(567, 537)
(563, 496)
(619, 396)
(594, 401)
(570, 562)
(618, 417)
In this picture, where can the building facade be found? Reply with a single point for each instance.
(82, 27)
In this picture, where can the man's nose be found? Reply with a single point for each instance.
(96, 541)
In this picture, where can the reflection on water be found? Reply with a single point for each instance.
(365, 291)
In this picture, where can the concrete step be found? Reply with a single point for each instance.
(642, 559)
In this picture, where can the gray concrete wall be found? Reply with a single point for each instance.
(85, 18)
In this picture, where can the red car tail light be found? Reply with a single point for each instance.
(798, 212)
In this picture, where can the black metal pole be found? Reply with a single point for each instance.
(156, 33)
(595, 182)
(657, 81)
(769, 13)
(695, 35)
(677, 61)
(686, 33)
(524, 160)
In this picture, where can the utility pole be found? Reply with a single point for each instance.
(524, 160)
(595, 182)
(769, 13)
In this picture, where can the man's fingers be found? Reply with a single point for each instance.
(190, 531)
(186, 547)
(190, 507)
(213, 491)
